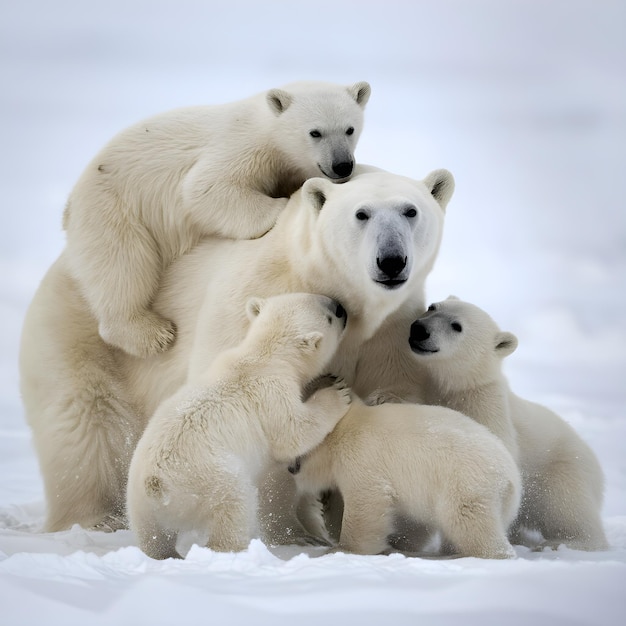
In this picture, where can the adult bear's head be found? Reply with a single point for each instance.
(375, 238)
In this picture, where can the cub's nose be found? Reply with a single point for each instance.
(341, 313)
(335, 307)
(419, 332)
(344, 169)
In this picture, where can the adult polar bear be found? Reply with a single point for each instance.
(368, 243)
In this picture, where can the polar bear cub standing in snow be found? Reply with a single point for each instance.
(426, 464)
(461, 349)
(161, 185)
(197, 464)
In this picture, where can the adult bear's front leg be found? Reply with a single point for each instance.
(84, 451)
(84, 430)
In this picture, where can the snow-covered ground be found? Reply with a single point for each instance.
(523, 100)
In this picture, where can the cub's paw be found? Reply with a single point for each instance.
(380, 396)
(321, 382)
(259, 222)
(312, 541)
(345, 392)
(111, 523)
(294, 466)
(142, 336)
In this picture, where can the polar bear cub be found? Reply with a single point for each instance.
(461, 349)
(196, 466)
(427, 464)
(161, 185)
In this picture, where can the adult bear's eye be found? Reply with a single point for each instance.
(350, 131)
(316, 134)
(456, 327)
(362, 215)
(412, 212)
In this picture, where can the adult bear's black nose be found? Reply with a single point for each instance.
(391, 265)
(344, 169)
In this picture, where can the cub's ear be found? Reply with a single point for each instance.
(310, 342)
(440, 183)
(361, 92)
(506, 343)
(278, 100)
(451, 297)
(315, 191)
(253, 307)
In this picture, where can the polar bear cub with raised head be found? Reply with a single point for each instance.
(427, 464)
(163, 184)
(198, 462)
(460, 348)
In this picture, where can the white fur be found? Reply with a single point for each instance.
(163, 184)
(459, 349)
(427, 465)
(88, 403)
(197, 465)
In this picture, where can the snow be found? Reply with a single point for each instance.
(523, 100)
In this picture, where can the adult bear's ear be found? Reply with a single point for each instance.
(315, 191)
(278, 100)
(361, 92)
(440, 183)
(253, 307)
(506, 343)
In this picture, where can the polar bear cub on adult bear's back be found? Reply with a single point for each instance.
(161, 185)
(197, 464)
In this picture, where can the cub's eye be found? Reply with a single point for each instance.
(350, 131)
(412, 212)
(456, 327)
(316, 134)
(432, 307)
(362, 215)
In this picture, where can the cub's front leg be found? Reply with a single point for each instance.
(317, 416)
(329, 404)
(230, 209)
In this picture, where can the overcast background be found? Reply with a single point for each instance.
(524, 101)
